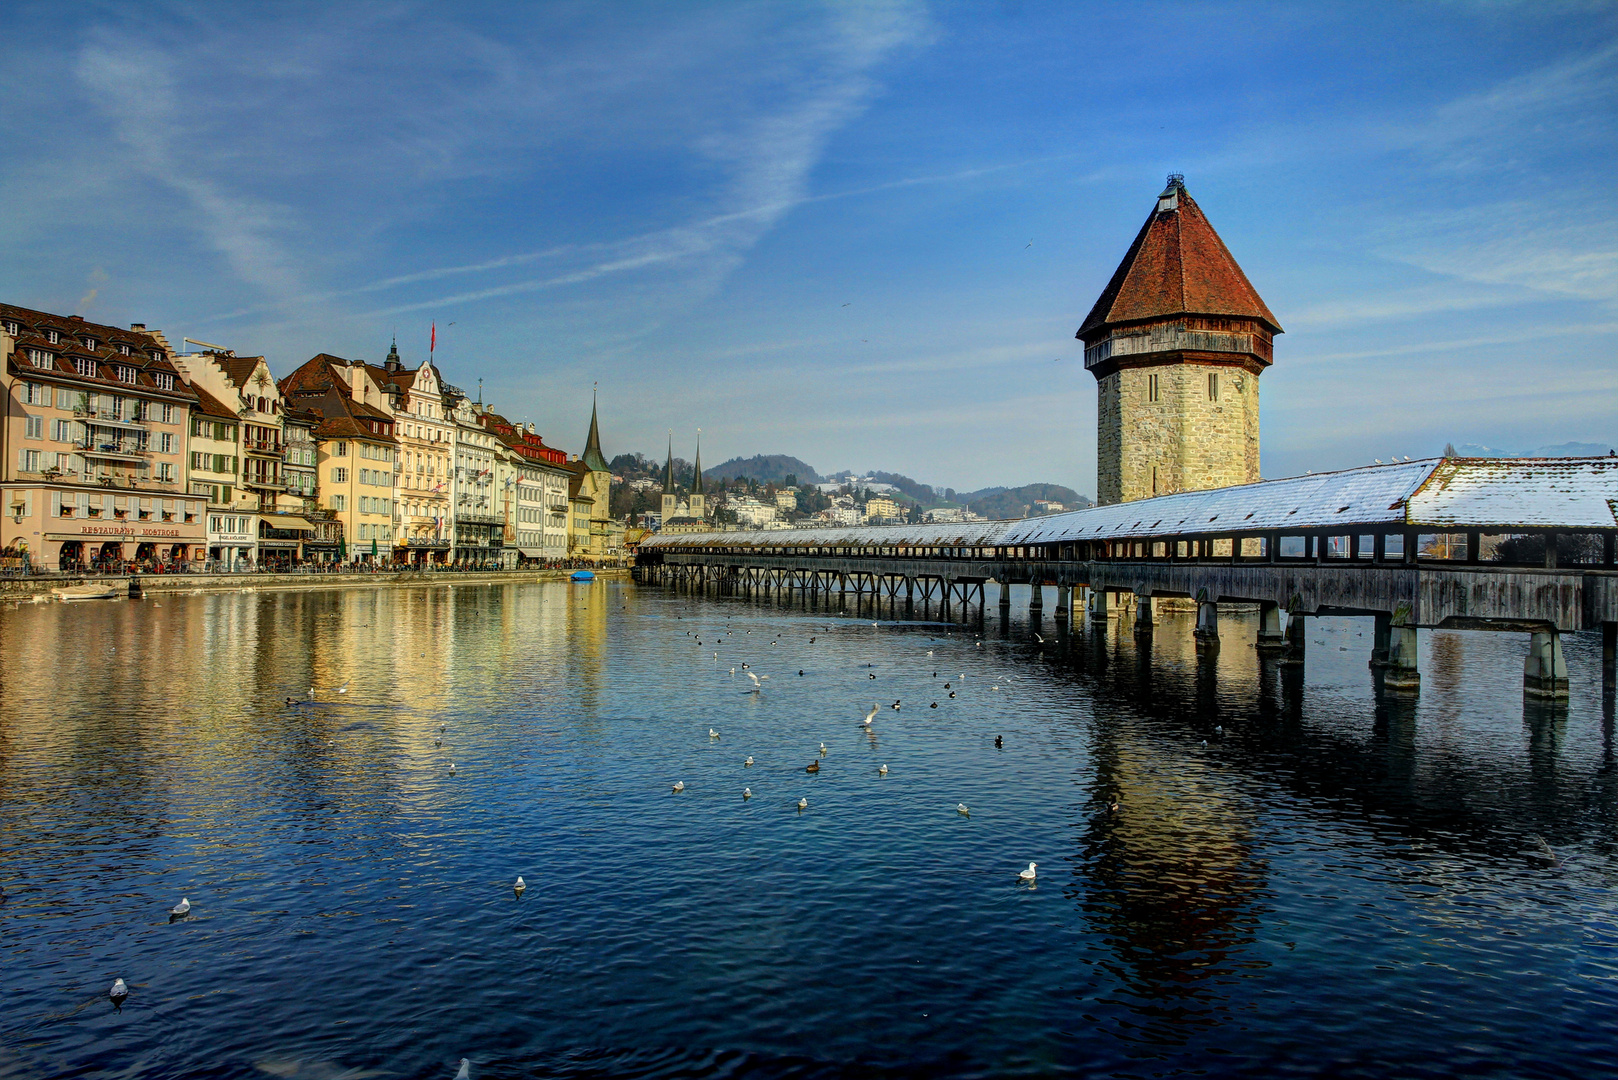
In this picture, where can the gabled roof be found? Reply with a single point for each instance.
(1176, 266)
(238, 369)
(147, 354)
(209, 405)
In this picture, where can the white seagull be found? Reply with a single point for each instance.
(519, 885)
(749, 760)
(960, 808)
(870, 716)
(679, 785)
(465, 1072)
(747, 793)
(118, 992)
(883, 771)
(712, 734)
(181, 908)
(452, 768)
(803, 804)
(1028, 874)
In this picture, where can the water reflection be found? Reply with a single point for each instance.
(1291, 851)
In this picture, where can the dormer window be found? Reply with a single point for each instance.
(126, 374)
(123, 349)
(53, 337)
(12, 328)
(157, 354)
(90, 343)
(85, 366)
(39, 358)
(164, 380)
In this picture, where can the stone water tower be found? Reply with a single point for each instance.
(1176, 342)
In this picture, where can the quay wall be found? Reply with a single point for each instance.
(13, 588)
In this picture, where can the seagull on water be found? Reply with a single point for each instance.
(747, 793)
(465, 1072)
(519, 885)
(1028, 874)
(882, 770)
(822, 749)
(118, 992)
(960, 808)
(749, 760)
(712, 734)
(181, 908)
(679, 785)
(870, 715)
(803, 804)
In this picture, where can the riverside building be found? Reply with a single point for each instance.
(92, 446)
(355, 452)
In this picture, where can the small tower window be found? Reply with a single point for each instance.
(1213, 386)
(1151, 388)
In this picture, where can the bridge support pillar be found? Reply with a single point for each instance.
(1403, 672)
(1382, 641)
(1101, 606)
(1036, 599)
(1271, 642)
(1609, 653)
(1207, 631)
(1143, 614)
(1064, 602)
(1544, 673)
(1293, 641)
(1005, 597)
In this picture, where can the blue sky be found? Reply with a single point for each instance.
(862, 234)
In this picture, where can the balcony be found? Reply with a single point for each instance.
(260, 483)
(269, 447)
(113, 449)
(109, 417)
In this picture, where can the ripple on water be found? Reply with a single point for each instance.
(1328, 885)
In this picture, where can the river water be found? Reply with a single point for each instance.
(1326, 886)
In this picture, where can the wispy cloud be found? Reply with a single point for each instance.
(134, 86)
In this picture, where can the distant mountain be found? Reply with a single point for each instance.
(1567, 449)
(765, 468)
(1000, 502)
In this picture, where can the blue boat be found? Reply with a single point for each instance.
(583, 575)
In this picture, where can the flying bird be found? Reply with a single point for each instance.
(870, 715)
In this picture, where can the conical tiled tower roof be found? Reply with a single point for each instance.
(696, 485)
(668, 472)
(1176, 266)
(592, 457)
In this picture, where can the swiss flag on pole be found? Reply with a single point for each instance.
(432, 342)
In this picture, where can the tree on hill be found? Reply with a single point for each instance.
(764, 468)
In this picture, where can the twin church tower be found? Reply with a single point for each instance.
(1176, 342)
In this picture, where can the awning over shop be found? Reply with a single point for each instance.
(531, 553)
(287, 521)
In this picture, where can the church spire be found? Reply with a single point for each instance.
(592, 458)
(696, 484)
(668, 473)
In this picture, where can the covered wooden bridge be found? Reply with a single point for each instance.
(1526, 545)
